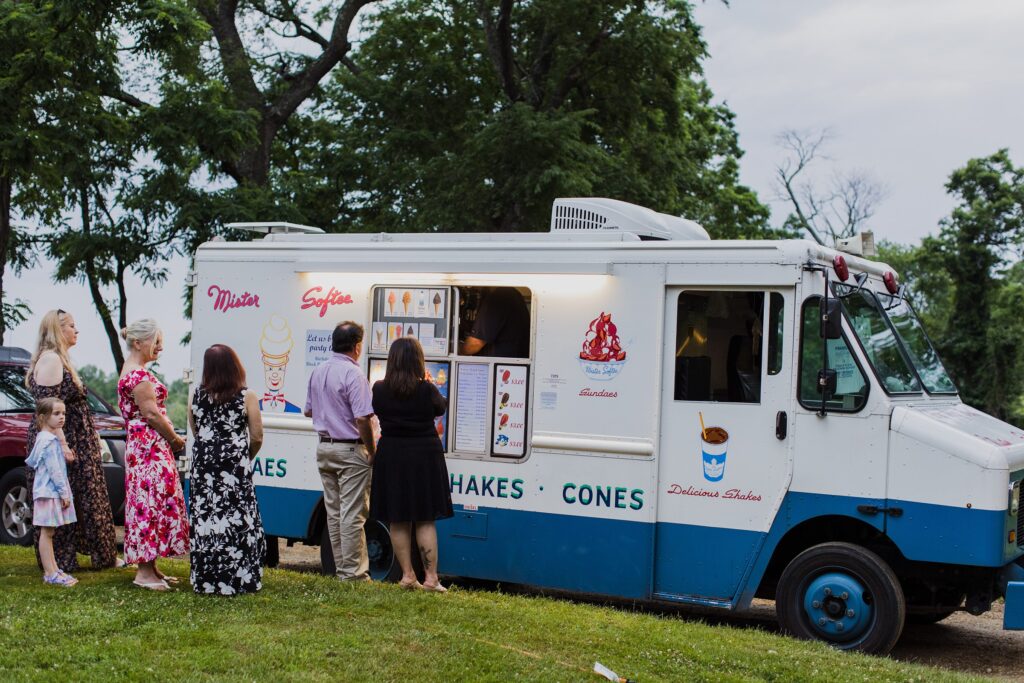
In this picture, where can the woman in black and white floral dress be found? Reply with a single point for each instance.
(228, 543)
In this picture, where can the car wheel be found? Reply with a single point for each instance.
(844, 595)
(15, 508)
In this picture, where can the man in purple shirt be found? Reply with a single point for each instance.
(339, 401)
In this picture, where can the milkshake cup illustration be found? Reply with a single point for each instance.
(714, 442)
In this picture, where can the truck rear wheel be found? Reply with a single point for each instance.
(842, 594)
(383, 565)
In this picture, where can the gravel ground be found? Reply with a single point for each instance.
(976, 645)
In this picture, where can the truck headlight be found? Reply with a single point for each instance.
(1014, 498)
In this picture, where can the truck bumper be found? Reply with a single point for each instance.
(1013, 614)
(1011, 585)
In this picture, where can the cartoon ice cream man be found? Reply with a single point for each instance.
(275, 346)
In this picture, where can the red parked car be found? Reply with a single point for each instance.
(17, 409)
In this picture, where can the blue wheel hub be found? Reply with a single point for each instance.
(836, 607)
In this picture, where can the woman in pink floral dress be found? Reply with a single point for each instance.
(155, 519)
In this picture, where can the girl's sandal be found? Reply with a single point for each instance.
(411, 585)
(170, 580)
(159, 586)
(60, 579)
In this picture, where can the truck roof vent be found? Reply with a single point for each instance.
(275, 227)
(590, 214)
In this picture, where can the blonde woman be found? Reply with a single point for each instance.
(51, 375)
(155, 519)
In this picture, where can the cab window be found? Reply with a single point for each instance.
(718, 346)
(851, 382)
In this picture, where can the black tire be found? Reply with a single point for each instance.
(383, 565)
(273, 556)
(15, 508)
(844, 595)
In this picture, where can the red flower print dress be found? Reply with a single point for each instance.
(155, 519)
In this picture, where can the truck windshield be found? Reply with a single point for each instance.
(884, 351)
(922, 354)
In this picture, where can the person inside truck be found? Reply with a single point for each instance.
(501, 327)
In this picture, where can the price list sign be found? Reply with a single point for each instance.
(509, 410)
(471, 408)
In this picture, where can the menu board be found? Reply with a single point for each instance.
(509, 410)
(471, 407)
(420, 312)
(439, 372)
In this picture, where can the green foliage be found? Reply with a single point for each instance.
(313, 628)
(968, 286)
(103, 383)
(449, 127)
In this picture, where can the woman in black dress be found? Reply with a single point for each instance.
(228, 543)
(410, 480)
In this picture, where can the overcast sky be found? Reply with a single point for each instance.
(911, 88)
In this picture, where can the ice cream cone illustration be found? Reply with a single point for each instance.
(406, 299)
(391, 301)
(437, 304)
(275, 347)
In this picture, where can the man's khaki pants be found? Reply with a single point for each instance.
(345, 473)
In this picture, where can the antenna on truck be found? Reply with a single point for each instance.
(272, 227)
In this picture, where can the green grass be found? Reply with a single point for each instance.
(304, 627)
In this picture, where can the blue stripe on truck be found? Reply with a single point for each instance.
(616, 557)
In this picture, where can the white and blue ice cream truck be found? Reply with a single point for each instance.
(696, 421)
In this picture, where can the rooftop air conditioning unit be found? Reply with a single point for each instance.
(594, 214)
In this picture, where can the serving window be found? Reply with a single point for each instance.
(477, 343)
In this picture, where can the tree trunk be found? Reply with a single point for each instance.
(5, 238)
(94, 289)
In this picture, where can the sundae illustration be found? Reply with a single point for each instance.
(275, 347)
(406, 299)
(602, 356)
(437, 304)
(714, 443)
(391, 302)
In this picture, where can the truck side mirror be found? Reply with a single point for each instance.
(827, 382)
(831, 319)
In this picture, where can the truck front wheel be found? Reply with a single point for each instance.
(844, 595)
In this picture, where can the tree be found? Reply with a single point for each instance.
(836, 212)
(975, 243)
(476, 116)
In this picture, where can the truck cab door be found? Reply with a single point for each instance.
(728, 360)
